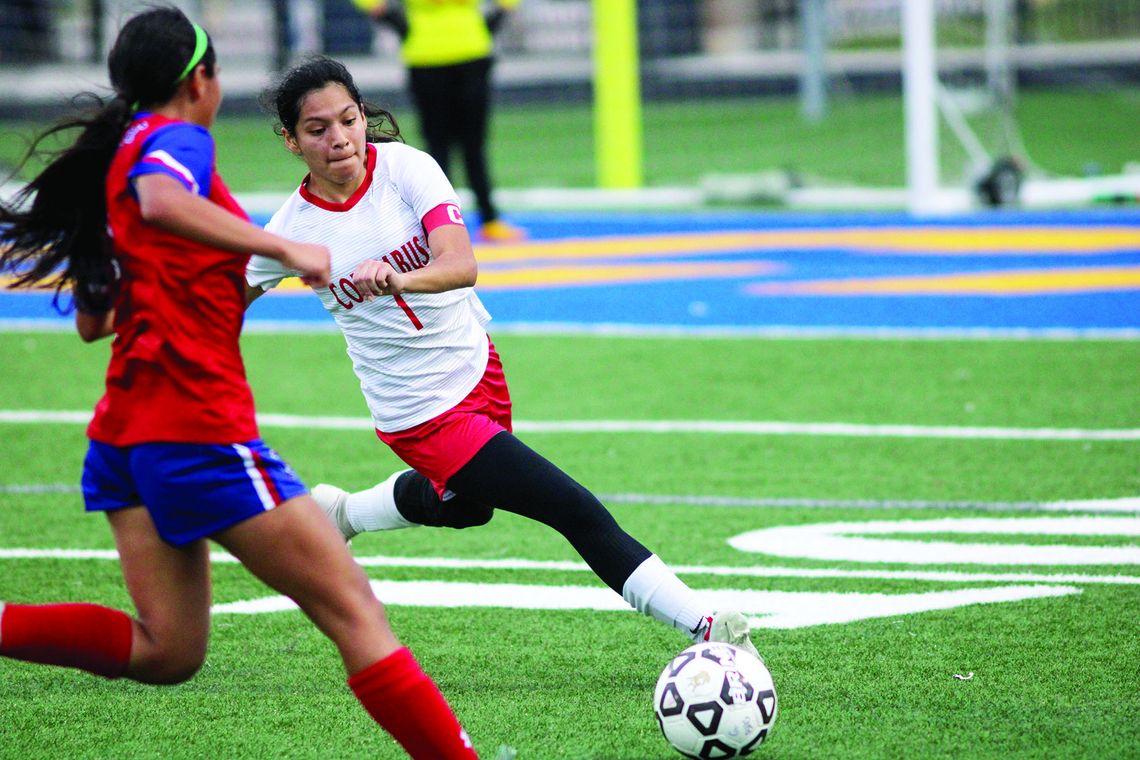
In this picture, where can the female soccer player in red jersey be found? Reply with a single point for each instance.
(401, 292)
(134, 217)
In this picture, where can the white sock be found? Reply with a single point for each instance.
(375, 508)
(652, 589)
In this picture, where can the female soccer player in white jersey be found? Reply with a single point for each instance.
(402, 293)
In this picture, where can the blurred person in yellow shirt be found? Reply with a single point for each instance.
(448, 48)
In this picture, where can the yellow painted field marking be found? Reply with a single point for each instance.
(504, 279)
(1010, 283)
(536, 256)
(1010, 241)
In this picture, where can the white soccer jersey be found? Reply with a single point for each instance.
(416, 355)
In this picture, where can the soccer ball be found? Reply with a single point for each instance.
(715, 700)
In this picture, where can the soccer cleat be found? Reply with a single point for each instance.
(498, 231)
(729, 627)
(333, 502)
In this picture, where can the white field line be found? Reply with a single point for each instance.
(1126, 505)
(803, 332)
(565, 566)
(616, 330)
(882, 542)
(34, 488)
(665, 427)
(766, 609)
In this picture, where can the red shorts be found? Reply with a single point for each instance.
(438, 448)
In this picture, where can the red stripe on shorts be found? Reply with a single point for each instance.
(266, 478)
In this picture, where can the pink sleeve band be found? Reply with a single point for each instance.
(444, 213)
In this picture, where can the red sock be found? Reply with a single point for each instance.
(85, 636)
(408, 705)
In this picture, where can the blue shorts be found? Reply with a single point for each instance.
(191, 490)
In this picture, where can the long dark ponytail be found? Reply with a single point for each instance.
(53, 232)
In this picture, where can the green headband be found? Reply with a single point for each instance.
(201, 42)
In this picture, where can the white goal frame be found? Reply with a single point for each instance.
(924, 98)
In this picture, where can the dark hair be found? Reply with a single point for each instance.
(59, 218)
(284, 99)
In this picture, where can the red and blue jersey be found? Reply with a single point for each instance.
(176, 373)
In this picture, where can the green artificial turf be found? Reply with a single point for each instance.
(1053, 677)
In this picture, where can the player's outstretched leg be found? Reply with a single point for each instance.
(510, 475)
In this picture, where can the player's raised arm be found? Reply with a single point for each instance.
(167, 204)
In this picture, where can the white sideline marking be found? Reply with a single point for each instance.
(844, 429)
(774, 609)
(530, 565)
(843, 541)
(803, 332)
(40, 488)
(615, 330)
(34, 417)
(1124, 505)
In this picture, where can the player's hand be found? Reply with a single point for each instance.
(377, 278)
(310, 261)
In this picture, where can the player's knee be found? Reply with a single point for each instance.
(168, 665)
(470, 516)
(181, 670)
(457, 512)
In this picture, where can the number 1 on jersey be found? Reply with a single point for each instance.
(408, 310)
(353, 296)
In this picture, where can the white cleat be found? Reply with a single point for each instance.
(728, 627)
(333, 502)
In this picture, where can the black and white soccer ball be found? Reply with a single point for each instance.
(715, 701)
